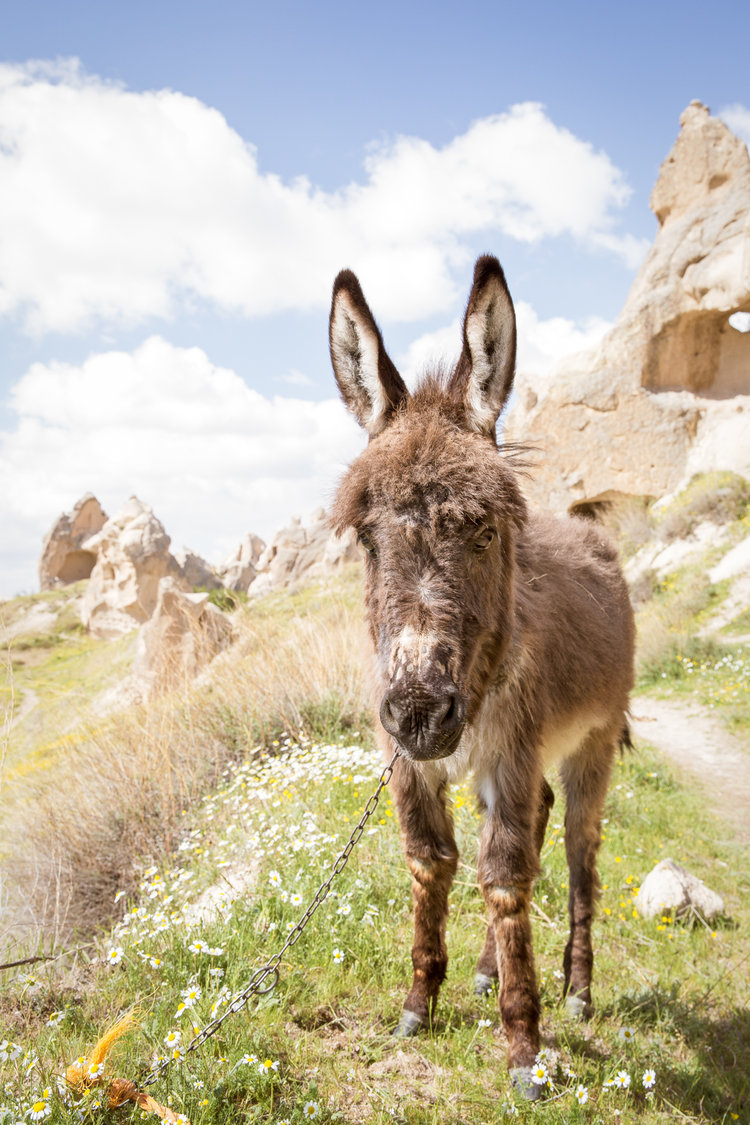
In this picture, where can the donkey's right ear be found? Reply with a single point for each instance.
(370, 385)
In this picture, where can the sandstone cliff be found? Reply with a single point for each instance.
(667, 392)
(65, 558)
(132, 556)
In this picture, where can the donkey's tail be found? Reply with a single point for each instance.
(626, 741)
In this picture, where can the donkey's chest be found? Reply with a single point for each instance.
(494, 740)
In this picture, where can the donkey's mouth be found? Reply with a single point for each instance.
(426, 727)
(432, 751)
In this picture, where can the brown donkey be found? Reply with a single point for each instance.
(503, 642)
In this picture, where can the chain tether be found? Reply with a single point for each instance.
(265, 979)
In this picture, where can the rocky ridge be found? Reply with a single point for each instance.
(135, 581)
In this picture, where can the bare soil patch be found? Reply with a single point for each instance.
(699, 744)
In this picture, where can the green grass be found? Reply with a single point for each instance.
(718, 677)
(681, 990)
(740, 624)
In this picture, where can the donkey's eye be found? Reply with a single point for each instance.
(367, 542)
(483, 539)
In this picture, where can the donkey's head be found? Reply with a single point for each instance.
(436, 509)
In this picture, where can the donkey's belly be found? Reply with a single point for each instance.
(563, 738)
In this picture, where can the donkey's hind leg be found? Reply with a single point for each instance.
(585, 776)
(486, 974)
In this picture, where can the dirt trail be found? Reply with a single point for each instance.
(698, 743)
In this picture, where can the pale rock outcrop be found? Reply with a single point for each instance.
(670, 889)
(196, 571)
(133, 556)
(734, 567)
(665, 557)
(666, 393)
(240, 569)
(184, 633)
(64, 558)
(298, 552)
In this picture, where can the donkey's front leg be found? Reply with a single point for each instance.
(508, 864)
(487, 971)
(432, 856)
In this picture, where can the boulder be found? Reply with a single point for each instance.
(240, 569)
(64, 558)
(196, 571)
(666, 393)
(670, 889)
(184, 633)
(300, 552)
(132, 557)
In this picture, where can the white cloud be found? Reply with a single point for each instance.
(213, 457)
(541, 343)
(737, 117)
(118, 206)
(295, 378)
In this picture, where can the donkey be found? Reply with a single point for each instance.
(503, 644)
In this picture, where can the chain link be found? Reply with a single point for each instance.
(260, 984)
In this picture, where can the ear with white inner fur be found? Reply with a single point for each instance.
(370, 385)
(488, 361)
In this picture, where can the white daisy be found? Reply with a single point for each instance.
(539, 1074)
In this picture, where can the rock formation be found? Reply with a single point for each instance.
(667, 391)
(133, 556)
(196, 571)
(240, 569)
(298, 552)
(64, 557)
(183, 634)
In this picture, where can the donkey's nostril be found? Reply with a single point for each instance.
(392, 715)
(449, 715)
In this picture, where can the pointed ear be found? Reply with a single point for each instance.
(370, 385)
(485, 371)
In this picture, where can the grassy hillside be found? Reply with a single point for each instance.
(671, 996)
(200, 826)
(98, 793)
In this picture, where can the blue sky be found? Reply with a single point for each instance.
(175, 203)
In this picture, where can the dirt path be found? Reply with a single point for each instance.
(699, 744)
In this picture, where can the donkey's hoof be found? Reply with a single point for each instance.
(577, 1008)
(523, 1082)
(410, 1024)
(483, 984)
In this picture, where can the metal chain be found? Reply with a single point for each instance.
(259, 984)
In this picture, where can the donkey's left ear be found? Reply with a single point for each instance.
(370, 385)
(488, 360)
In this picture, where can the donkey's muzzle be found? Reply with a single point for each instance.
(426, 724)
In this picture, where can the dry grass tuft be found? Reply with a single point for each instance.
(78, 831)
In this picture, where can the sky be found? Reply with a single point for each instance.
(181, 182)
